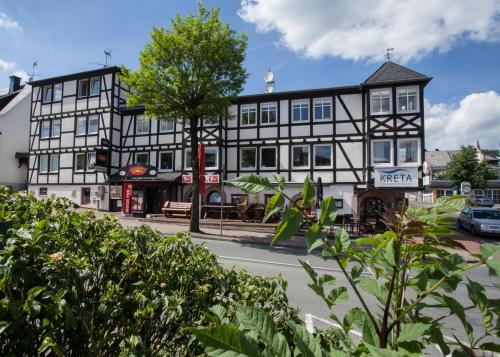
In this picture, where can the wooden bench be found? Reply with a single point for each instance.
(170, 208)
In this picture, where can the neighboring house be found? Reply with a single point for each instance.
(14, 131)
(365, 141)
(438, 186)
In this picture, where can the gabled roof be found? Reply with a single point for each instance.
(391, 72)
(6, 98)
(14, 99)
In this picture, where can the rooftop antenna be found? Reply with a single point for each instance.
(269, 81)
(388, 54)
(35, 65)
(107, 56)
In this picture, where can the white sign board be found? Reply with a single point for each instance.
(116, 192)
(426, 180)
(396, 176)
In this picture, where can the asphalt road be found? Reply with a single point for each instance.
(267, 261)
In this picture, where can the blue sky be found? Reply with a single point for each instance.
(306, 44)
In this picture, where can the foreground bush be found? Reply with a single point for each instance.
(72, 284)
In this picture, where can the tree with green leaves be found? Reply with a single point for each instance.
(189, 72)
(464, 166)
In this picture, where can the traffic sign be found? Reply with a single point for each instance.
(466, 188)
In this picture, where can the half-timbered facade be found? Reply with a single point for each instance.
(365, 142)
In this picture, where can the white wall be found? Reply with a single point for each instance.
(15, 129)
(73, 193)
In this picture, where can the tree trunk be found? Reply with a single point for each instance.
(194, 224)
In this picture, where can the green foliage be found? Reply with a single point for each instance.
(412, 282)
(72, 284)
(464, 166)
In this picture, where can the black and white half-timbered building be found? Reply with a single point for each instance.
(365, 141)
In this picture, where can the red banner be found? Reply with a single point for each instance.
(127, 197)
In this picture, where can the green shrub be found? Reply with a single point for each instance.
(72, 284)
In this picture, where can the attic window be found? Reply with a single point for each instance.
(380, 101)
(407, 100)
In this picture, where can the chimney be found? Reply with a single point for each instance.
(15, 84)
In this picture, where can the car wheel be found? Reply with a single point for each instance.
(473, 230)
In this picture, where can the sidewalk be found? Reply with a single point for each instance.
(261, 238)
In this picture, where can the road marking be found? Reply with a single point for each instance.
(337, 270)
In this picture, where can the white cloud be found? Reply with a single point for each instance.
(476, 116)
(6, 22)
(363, 29)
(7, 66)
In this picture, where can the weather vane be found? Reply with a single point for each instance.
(388, 54)
(269, 81)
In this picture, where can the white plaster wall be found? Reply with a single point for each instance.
(73, 193)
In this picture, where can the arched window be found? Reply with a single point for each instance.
(214, 197)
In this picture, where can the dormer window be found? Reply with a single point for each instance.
(381, 101)
(407, 99)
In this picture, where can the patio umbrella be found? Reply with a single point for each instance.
(319, 192)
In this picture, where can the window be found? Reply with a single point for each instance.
(142, 158)
(268, 113)
(91, 161)
(248, 114)
(381, 101)
(210, 121)
(45, 130)
(237, 198)
(407, 100)
(47, 94)
(382, 152)
(248, 158)
(83, 88)
(44, 163)
(211, 158)
(81, 125)
(42, 191)
(300, 110)
(80, 162)
(166, 126)
(408, 151)
(322, 109)
(339, 203)
(214, 197)
(188, 159)
(85, 199)
(323, 155)
(142, 125)
(58, 88)
(166, 161)
(56, 128)
(93, 124)
(95, 86)
(211, 155)
(54, 163)
(268, 158)
(300, 156)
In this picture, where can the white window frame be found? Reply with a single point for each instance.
(275, 158)
(308, 157)
(265, 107)
(51, 169)
(96, 116)
(89, 160)
(166, 122)
(137, 132)
(301, 103)
(60, 89)
(248, 108)
(52, 135)
(186, 161)
(84, 163)
(46, 170)
(417, 99)
(84, 120)
(322, 103)
(91, 82)
(42, 135)
(142, 153)
(390, 101)
(45, 98)
(86, 94)
(216, 157)
(254, 167)
(331, 157)
(417, 163)
(172, 153)
(382, 164)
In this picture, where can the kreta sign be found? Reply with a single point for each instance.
(396, 177)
